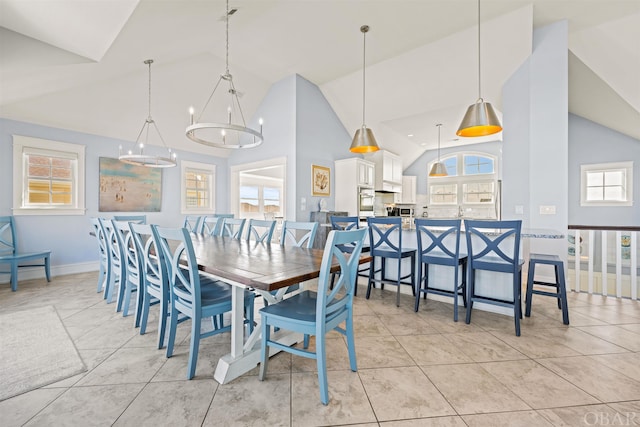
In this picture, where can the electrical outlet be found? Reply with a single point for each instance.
(303, 204)
(519, 210)
(547, 210)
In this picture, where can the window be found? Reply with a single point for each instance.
(271, 199)
(48, 176)
(478, 192)
(470, 189)
(256, 199)
(444, 194)
(249, 200)
(476, 165)
(198, 187)
(606, 184)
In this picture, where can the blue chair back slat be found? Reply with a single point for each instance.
(184, 280)
(233, 227)
(380, 232)
(8, 244)
(261, 230)
(433, 236)
(193, 223)
(291, 230)
(496, 246)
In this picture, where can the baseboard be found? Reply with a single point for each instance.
(28, 273)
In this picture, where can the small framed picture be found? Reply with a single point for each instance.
(320, 181)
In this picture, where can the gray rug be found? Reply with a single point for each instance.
(35, 350)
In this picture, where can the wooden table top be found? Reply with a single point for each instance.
(258, 265)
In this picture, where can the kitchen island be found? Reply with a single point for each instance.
(488, 283)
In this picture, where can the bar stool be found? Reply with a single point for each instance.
(382, 246)
(560, 285)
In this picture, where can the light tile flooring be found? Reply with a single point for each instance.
(415, 369)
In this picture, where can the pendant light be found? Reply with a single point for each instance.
(142, 159)
(480, 119)
(225, 133)
(363, 140)
(438, 168)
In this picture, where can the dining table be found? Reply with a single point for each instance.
(268, 270)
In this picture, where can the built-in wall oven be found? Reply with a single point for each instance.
(366, 197)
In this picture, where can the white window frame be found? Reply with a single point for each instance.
(185, 166)
(25, 144)
(627, 167)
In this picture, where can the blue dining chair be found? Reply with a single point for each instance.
(439, 244)
(103, 252)
(383, 233)
(118, 266)
(318, 313)
(130, 282)
(349, 223)
(232, 227)
(193, 295)
(140, 219)
(298, 233)
(495, 246)
(9, 253)
(212, 224)
(261, 230)
(193, 223)
(155, 278)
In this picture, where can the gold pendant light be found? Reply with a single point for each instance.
(363, 140)
(480, 119)
(438, 168)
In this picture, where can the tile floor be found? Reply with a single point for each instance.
(415, 369)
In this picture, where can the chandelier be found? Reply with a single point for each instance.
(142, 159)
(225, 133)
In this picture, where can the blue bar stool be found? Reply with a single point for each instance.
(560, 284)
(381, 230)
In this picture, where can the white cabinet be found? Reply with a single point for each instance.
(352, 175)
(366, 177)
(408, 190)
(388, 171)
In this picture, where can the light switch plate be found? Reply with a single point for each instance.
(519, 210)
(547, 210)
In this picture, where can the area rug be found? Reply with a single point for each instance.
(35, 350)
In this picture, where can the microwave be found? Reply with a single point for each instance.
(406, 212)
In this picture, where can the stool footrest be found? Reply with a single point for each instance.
(537, 282)
(548, 294)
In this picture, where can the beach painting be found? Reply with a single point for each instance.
(129, 188)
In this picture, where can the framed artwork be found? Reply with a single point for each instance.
(129, 188)
(320, 181)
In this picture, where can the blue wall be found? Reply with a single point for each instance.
(68, 235)
(591, 143)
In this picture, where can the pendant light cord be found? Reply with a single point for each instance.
(149, 63)
(364, 30)
(439, 125)
(227, 35)
(479, 71)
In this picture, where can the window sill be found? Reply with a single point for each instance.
(48, 211)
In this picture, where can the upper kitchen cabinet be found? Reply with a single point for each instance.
(388, 171)
(354, 186)
(408, 190)
(366, 175)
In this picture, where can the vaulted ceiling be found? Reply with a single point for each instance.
(79, 65)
